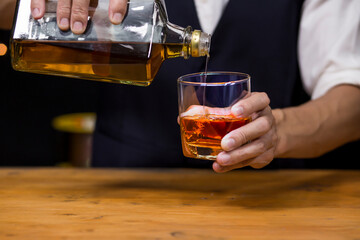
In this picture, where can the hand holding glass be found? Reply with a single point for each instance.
(205, 110)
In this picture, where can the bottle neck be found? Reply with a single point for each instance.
(200, 43)
(183, 42)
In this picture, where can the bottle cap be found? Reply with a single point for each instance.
(200, 43)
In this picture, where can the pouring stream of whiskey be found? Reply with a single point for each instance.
(203, 80)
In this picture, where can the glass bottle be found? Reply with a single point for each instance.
(129, 53)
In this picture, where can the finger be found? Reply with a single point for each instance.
(79, 15)
(257, 163)
(37, 8)
(263, 160)
(117, 10)
(248, 132)
(248, 151)
(247, 106)
(63, 14)
(221, 169)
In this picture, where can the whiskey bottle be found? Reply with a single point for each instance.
(129, 53)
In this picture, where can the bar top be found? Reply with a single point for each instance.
(60, 203)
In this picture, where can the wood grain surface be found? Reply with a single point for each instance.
(57, 203)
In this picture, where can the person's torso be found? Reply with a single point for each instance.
(137, 126)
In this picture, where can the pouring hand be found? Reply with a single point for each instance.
(74, 14)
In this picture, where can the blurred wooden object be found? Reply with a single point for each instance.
(7, 9)
(79, 127)
(178, 204)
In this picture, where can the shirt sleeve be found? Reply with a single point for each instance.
(329, 45)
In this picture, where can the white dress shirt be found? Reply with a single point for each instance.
(209, 13)
(329, 41)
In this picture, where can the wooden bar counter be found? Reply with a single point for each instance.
(58, 203)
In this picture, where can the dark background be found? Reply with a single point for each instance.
(28, 103)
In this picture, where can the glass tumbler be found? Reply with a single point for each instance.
(205, 103)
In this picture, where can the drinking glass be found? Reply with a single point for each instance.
(205, 102)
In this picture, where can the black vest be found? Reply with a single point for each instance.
(137, 126)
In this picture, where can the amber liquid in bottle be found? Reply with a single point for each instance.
(202, 134)
(126, 62)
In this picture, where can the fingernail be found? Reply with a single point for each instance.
(217, 167)
(238, 110)
(228, 143)
(77, 27)
(36, 12)
(116, 18)
(64, 22)
(223, 158)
